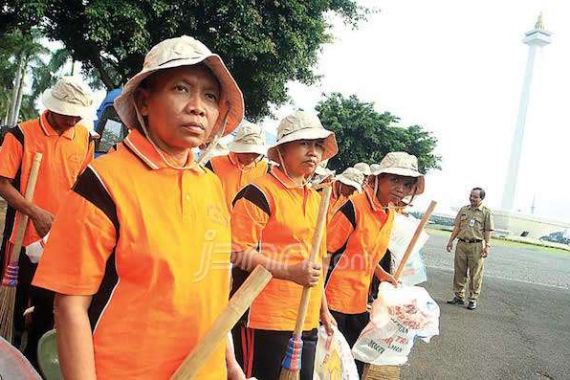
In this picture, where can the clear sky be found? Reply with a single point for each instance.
(456, 68)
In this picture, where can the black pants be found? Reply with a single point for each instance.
(240, 340)
(41, 299)
(269, 349)
(351, 325)
(240, 334)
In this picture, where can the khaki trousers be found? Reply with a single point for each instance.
(468, 259)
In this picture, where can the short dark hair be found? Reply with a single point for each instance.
(481, 192)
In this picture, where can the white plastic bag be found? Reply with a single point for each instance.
(398, 317)
(402, 232)
(35, 250)
(333, 359)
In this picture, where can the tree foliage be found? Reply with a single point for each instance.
(264, 43)
(20, 53)
(365, 135)
(20, 14)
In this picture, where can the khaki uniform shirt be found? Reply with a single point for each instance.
(473, 222)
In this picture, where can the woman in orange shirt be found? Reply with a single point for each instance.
(140, 254)
(358, 237)
(273, 221)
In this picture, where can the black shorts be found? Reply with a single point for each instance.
(266, 349)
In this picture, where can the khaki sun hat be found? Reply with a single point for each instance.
(404, 164)
(249, 139)
(185, 51)
(351, 177)
(69, 96)
(302, 125)
(363, 167)
(322, 169)
(374, 168)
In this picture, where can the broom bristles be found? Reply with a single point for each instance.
(291, 366)
(7, 301)
(289, 374)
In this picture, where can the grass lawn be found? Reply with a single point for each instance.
(497, 242)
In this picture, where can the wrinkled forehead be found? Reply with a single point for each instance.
(200, 72)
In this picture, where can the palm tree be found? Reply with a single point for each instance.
(24, 51)
(45, 75)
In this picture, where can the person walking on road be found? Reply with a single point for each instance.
(473, 227)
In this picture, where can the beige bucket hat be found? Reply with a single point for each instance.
(69, 96)
(250, 138)
(185, 51)
(363, 167)
(404, 164)
(322, 169)
(351, 177)
(302, 125)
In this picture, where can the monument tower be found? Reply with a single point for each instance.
(535, 38)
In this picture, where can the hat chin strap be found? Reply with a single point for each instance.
(282, 164)
(216, 138)
(160, 152)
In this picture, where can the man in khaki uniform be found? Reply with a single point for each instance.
(473, 226)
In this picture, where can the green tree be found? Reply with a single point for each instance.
(22, 52)
(20, 14)
(365, 135)
(264, 43)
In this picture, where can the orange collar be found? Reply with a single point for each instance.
(284, 179)
(48, 130)
(232, 156)
(139, 145)
(374, 203)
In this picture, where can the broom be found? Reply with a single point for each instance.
(238, 304)
(291, 364)
(10, 280)
(374, 372)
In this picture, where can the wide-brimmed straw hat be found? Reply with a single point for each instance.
(249, 139)
(404, 164)
(363, 167)
(302, 125)
(351, 177)
(185, 51)
(69, 96)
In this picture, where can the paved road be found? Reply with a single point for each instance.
(521, 330)
(530, 264)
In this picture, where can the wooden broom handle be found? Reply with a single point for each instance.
(238, 304)
(367, 375)
(315, 247)
(414, 240)
(29, 195)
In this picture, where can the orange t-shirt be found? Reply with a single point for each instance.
(358, 236)
(279, 218)
(151, 244)
(64, 157)
(233, 176)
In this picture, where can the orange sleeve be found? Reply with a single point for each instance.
(338, 230)
(80, 242)
(11, 154)
(249, 218)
